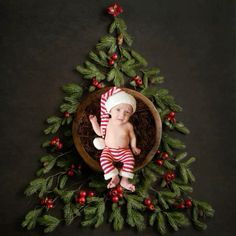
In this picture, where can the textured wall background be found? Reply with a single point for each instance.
(193, 43)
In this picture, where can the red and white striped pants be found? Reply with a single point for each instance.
(111, 155)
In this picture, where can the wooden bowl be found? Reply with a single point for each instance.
(146, 121)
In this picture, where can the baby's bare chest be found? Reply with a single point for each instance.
(117, 132)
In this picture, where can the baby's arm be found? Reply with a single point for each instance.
(96, 127)
(135, 150)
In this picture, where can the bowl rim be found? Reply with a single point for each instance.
(91, 162)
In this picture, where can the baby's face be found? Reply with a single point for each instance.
(121, 113)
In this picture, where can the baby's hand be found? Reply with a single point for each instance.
(136, 150)
(92, 118)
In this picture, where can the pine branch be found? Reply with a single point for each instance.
(31, 219)
(116, 76)
(55, 123)
(73, 89)
(66, 196)
(37, 185)
(134, 217)
(49, 222)
(116, 217)
(71, 211)
(176, 220)
(63, 180)
(94, 212)
(180, 156)
(107, 42)
(90, 71)
(161, 226)
(179, 126)
(101, 61)
(139, 58)
(172, 142)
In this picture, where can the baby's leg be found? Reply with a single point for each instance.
(127, 170)
(109, 169)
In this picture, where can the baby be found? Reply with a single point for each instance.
(117, 107)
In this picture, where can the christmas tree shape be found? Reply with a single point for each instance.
(163, 196)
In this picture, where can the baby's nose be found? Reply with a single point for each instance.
(121, 115)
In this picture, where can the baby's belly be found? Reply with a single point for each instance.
(115, 143)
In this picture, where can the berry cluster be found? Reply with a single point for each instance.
(116, 194)
(138, 80)
(96, 83)
(148, 203)
(48, 202)
(164, 156)
(187, 203)
(171, 117)
(72, 170)
(169, 176)
(114, 10)
(112, 59)
(81, 197)
(55, 142)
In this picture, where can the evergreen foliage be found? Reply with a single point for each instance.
(61, 179)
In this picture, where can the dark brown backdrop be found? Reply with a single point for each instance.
(193, 43)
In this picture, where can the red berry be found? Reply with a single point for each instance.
(168, 118)
(43, 201)
(52, 142)
(171, 114)
(81, 200)
(72, 166)
(50, 206)
(115, 199)
(165, 155)
(181, 205)
(169, 176)
(56, 139)
(147, 201)
(173, 120)
(59, 146)
(188, 203)
(114, 192)
(99, 86)
(120, 195)
(66, 114)
(158, 152)
(151, 207)
(95, 82)
(159, 162)
(139, 82)
(111, 10)
(90, 193)
(172, 175)
(70, 173)
(82, 193)
(111, 62)
(49, 201)
(119, 189)
(114, 56)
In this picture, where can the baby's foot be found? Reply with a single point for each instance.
(114, 181)
(125, 184)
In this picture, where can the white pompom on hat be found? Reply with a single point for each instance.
(119, 98)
